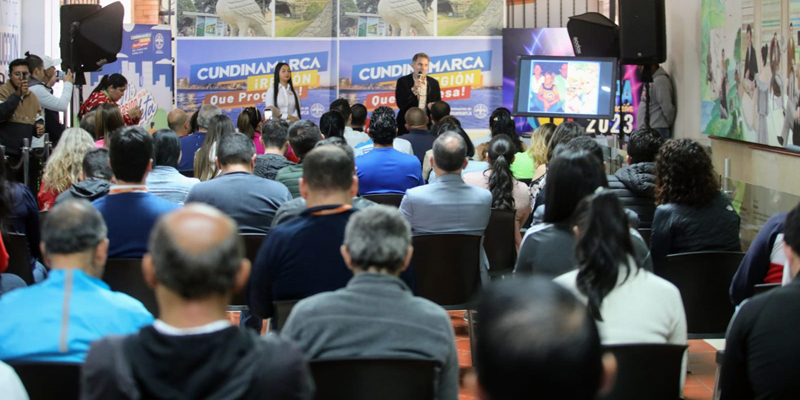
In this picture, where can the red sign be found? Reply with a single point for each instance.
(376, 100)
(456, 93)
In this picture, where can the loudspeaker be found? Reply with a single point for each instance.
(593, 35)
(642, 32)
(97, 35)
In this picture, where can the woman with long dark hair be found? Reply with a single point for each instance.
(110, 90)
(204, 166)
(249, 123)
(281, 99)
(507, 192)
(501, 123)
(107, 119)
(692, 214)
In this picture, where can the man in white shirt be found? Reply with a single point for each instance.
(43, 77)
(352, 137)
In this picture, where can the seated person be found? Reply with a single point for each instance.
(275, 138)
(301, 258)
(164, 180)
(303, 135)
(57, 319)
(764, 261)
(96, 181)
(342, 324)
(353, 118)
(196, 263)
(635, 184)
(761, 348)
(332, 124)
(384, 169)
(358, 120)
(129, 210)
(559, 355)
(191, 143)
(417, 127)
(692, 214)
(251, 201)
(400, 145)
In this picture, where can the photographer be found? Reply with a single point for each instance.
(43, 77)
(19, 114)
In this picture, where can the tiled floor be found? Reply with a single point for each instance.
(699, 383)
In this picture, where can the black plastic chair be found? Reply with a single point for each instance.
(188, 174)
(718, 375)
(281, 311)
(764, 287)
(646, 233)
(387, 199)
(42, 218)
(252, 244)
(19, 262)
(500, 244)
(703, 279)
(125, 275)
(647, 371)
(370, 379)
(50, 381)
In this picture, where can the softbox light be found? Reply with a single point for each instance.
(593, 35)
(93, 40)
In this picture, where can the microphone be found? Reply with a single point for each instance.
(419, 75)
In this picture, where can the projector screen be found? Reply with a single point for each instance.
(565, 87)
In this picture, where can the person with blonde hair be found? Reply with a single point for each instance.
(204, 166)
(538, 150)
(65, 166)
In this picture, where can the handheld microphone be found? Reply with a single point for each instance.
(419, 75)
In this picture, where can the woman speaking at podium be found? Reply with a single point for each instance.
(110, 89)
(281, 98)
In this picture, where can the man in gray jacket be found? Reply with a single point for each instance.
(376, 315)
(662, 102)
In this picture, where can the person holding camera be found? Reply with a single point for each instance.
(20, 115)
(43, 77)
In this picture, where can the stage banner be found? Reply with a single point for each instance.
(749, 76)
(555, 42)
(10, 21)
(241, 71)
(468, 71)
(146, 61)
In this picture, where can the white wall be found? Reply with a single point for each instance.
(683, 64)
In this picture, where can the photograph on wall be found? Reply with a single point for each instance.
(146, 62)
(241, 74)
(469, 72)
(376, 18)
(750, 80)
(225, 18)
(469, 17)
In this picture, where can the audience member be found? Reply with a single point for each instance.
(351, 136)
(301, 258)
(400, 145)
(43, 77)
(332, 124)
(342, 324)
(291, 209)
(196, 262)
(635, 184)
(452, 123)
(8, 281)
(110, 90)
(96, 177)
(449, 206)
(548, 248)
(164, 180)
(384, 169)
(502, 123)
(358, 119)
(417, 127)
(303, 135)
(57, 319)
(88, 122)
(193, 125)
(19, 113)
(178, 122)
(534, 335)
(191, 143)
(12, 386)
(129, 210)
(692, 213)
(765, 261)
(108, 119)
(564, 132)
(249, 123)
(204, 166)
(538, 151)
(761, 348)
(65, 166)
(439, 110)
(507, 192)
(472, 164)
(275, 139)
(630, 304)
(251, 201)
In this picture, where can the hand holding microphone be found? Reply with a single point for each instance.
(419, 83)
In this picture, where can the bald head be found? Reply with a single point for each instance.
(196, 252)
(178, 122)
(416, 118)
(449, 152)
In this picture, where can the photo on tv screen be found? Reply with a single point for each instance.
(565, 87)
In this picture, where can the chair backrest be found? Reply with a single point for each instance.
(499, 241)
(188, 174)
(765, 287)
(368, 379)
(387, 199)
(646, 233)
(447, 268)
(42, 218)
(703, 279)
(647, 371)
(125, 275)
(19, 262)
(252, 244)
(50, 381)
(281, 309)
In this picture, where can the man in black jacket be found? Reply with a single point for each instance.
(416, 90)
(635, 184)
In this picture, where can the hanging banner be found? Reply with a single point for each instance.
(146, 61)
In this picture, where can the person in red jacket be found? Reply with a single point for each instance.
(110, 89)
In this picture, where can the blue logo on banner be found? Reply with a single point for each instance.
(239, 70)
(388, 71)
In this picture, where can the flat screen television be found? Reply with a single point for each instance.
(565, 87)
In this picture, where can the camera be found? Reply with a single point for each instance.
(60, 74)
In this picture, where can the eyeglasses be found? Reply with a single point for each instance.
(20, 74)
